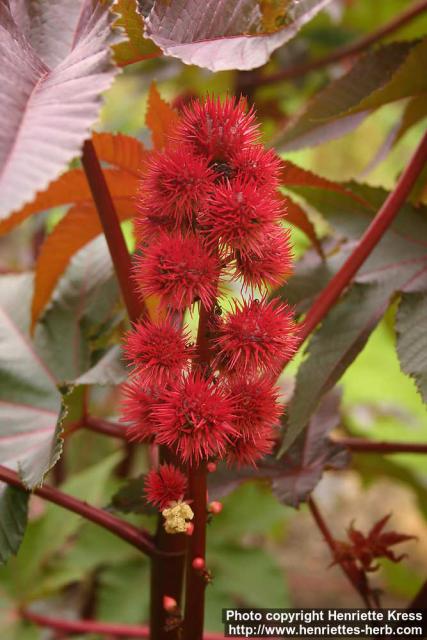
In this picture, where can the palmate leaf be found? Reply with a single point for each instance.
(54, 65)
(411, 326)
(398, 264)
(136, 47)
(31, 406)
(384, 75)
(225, 34)
(294, 475)
(300, 469)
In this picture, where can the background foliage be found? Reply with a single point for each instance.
(352, 127)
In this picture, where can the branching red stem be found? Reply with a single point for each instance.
(330, 541)
(367, 242)
(96, 627)
(138, 538)
(340, 54)
(112, 230)
(105, 426)
(364, 445)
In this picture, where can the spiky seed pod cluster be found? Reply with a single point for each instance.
(208, 211)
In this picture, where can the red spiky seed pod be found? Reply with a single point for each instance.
(195, 418)
(256, 336)
(159, 351)
(175, 185)
(164, 485)
(270, 264)
(215, 129)
(238, 215)
(179, 270)
(247, 450)
(256, 404)
(136, 410)
(257, 164)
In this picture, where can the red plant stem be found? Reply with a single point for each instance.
(138, 538)
(344, 52)
(364, 445)
(95, 627)
(167, 574)
(196, 579)
(112, 230)
(367, 242)
(105, 426)
(330, 541)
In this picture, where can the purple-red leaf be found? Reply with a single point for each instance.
(54, 64)
(225, 34)
(301, 467)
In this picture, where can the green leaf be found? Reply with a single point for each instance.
(384, 75)
(13, 520)
(251, 509)
(249, 576)
(47, 535)
(123, 594)
(411, 326)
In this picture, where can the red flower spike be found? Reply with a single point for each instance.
(257, 164)
(239, 215)
(179, 270)
(270, 264)
(190, 529)
(136, 410)
(256, 405)
(216, 129)
(256, 336)
(159, 351)
(164, 485)
(195, 418)
(176, 184)
(249, 449)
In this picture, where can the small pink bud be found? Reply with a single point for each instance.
(190, 529)
(215, 507)
(198, 563)
(211, 467)
(169, 604)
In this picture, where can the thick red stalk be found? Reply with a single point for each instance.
(197, 490)
(343, 53)
(330, 541)
(112, 230)
(373, 234)
(364, 445)
(167, 574)
(135, 536)
(95, 627)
